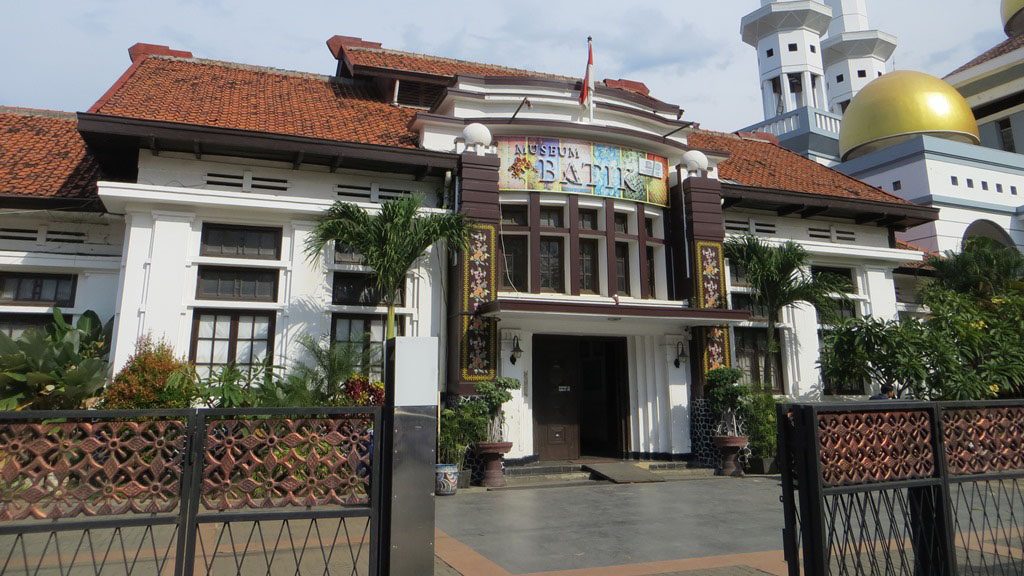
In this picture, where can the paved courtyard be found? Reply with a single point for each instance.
(712, 526)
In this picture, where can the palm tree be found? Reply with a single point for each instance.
(388, 241)
(779, 276)
(983, 267)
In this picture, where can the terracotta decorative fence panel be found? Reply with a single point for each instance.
(903, 487)
(190, 492)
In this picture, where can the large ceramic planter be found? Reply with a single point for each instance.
(729, 447)
(490, 454)
(446, 479)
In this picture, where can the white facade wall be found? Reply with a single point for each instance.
(980, 192)
(659, 392)
(165, 217)
(84, 244)
(868, 256)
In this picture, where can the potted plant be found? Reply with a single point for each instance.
(462, 425)
(725, 396)
(758, 416)
(493, 395)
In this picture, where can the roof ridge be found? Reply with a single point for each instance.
(990, 54)
(243, 66)
(451, 60)
(40, 112)
(845, 178)
(843, 175)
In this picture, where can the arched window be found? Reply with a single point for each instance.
(990, 230)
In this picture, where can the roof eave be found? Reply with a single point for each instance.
(784, 202)
(105, 131)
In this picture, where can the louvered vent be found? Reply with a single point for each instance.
(846, 236)
(371, 193)
(750, 226)
(18, 234)
(246, 182)
(65, 237)
(820, 233)
(831, 234)
(418, 94)
(737, 225)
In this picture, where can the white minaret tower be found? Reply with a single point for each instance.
(853, 55)
(787, 37)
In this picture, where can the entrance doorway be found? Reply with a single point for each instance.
(580, 397)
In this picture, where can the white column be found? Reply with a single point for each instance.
(768, 99)
(807, 95)
(678, 380)
(881, 293)
(787, 105)
(130, 287)
(634, 395)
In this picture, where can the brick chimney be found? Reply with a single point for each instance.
(140, 50)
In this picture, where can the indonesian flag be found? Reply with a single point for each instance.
(587, 93)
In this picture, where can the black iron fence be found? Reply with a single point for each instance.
(913, 488)
(177, 493)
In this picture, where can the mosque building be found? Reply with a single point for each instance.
(595, 274)
(948, 144)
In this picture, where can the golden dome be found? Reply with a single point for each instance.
(1010, 9)
(900, 105)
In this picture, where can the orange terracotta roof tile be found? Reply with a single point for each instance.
(762, 164)
(1004, 47)
(903, 245)
(376, 57)
(42, 155)
(226, 95)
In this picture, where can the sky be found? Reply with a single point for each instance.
(63, 55)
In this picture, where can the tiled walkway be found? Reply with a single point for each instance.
(709, 527)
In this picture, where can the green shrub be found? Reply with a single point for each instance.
(494, 395)
(725, 395)
(757, 412)
(463, 424)
(60, 368)
(146, 380)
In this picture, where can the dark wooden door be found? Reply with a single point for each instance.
(556, 401)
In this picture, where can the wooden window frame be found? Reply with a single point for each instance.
(549, 209)
(232, 332)
(595, 275)
(561, 264)
(367, 317)
(502, 264)
(370, 286)
(759, 360)
(21, 276)
(204, 246)
(589, 212)
(510, 209)
(39, 320)
(199, 279)
(627, 270)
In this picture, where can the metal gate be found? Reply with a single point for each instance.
(915, 488)
(177, 493)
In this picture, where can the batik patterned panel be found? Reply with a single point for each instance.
(984, 440)
(479, 334)
(274, 463)
(69, 469)
(868, 447)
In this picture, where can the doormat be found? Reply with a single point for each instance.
(623, 473)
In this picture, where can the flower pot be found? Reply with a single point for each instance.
(729, 447)
(758, 465)
(490, 454)
(446, 479)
